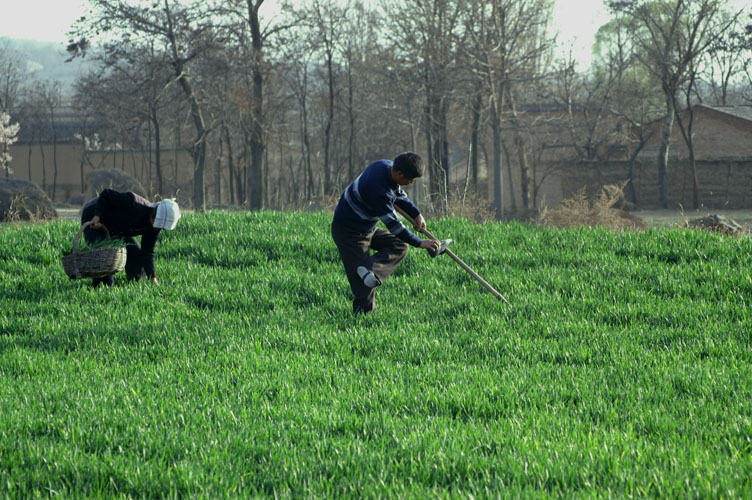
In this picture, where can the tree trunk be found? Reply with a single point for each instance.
(81, 167)
(510, 176)
(256, 174)
(231, 167)
(663, 156)
(429, 148)
(54, 154)
(631, 176)
(219, 172)
(54, 166)
(437, 150)
(199, 145)
(265, 174)
(199, 175)
(474, 140)
(695, 183)
(445, 163)
(524, 170)
(44, 167)
(157, 150)
(498, 180)
(351, 114)
(519, 142)
(175, 156)
(146, 160)
(310, 187)
(28, 161)
(687, 132)
(328, 181)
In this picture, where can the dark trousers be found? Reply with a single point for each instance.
(355, 250)
(134, 268)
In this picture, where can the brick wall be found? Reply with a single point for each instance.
(37, 164)
(723, 183)
(716, 135)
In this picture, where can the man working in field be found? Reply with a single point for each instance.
(126, 215)
(369, 199)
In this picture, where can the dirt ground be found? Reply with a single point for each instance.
(666, 218)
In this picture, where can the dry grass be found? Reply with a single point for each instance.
(578, 211)
(13, 214)
(22, 200)
(717, 224)
(470, 205)
(21, 209)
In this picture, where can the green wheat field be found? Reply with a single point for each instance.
(622, 367)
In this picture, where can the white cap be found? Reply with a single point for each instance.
(168, 214)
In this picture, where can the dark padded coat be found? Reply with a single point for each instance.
(126, 215)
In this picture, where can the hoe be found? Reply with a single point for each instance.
(457, 260)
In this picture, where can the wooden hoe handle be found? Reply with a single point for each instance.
(457, 260)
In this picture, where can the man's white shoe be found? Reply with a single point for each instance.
(369, 279)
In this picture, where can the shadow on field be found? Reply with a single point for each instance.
(100, 338)
(31, 295)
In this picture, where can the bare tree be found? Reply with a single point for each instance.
(670, 36)
(508, 41)
(53, 100)
(360, 32)
(11, 77)
(30, 114)
(325, 19)
(245, 30)
(587, 100)
(425, 34)
(183, 29)
(296, 75)
(634, 101)
(256, 56)
(134, 87)
(747, 65)
(726, 60)
(686, 125)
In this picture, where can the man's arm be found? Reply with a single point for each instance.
(395, 226)
(408, 207)
(148, 242)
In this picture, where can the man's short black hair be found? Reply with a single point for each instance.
(410, 164)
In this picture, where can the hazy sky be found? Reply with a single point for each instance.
(48, 20)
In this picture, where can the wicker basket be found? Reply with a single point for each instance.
(95, 262)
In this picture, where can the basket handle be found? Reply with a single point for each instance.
(84, 226)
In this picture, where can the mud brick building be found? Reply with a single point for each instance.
(722, 138)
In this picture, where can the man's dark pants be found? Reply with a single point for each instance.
(134, 269)
(355, 250)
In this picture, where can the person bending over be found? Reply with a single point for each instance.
(127, 215)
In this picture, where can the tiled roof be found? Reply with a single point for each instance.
(743, 112)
